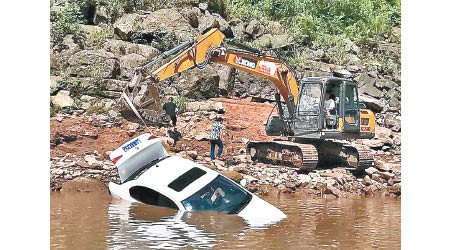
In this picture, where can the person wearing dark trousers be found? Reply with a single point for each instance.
(170, 109)
(214, 138)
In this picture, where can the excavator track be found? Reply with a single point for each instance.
(307, 157)
(302, 156)
(352, 157)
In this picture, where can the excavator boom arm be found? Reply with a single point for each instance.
(208, 48)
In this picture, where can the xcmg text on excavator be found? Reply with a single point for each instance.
(314, 134)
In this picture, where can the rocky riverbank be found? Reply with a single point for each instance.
(96, 45)
(80, 145)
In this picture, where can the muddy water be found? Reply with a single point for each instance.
(96, 221)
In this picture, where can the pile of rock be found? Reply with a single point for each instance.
(71, 166)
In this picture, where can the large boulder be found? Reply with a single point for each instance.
(392, 122)
(371, 90)
(121, 48)
(238, 28)
(255, 28)
(54, 84)
(62, 99)
(280, 41)
(128, 25)
(383, 133)
(165, 21)
(385, 83)
(364, 79)
(199, 84)
(372, 103)
(94, 63)
(274, 41)
(205, 21)
(374, 143)
(128, 63)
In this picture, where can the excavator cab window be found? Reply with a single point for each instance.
(351, 112)
(310, 98)
(308, 108)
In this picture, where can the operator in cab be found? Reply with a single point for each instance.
(330, 108)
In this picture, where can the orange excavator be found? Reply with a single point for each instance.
(318, 115)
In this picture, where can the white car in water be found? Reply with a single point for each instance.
(149, 175)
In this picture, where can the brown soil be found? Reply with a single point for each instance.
(80, 135)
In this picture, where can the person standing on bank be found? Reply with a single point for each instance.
(170, 109)
(214, 138)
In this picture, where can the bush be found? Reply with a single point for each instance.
(181, 103)
(65, 21)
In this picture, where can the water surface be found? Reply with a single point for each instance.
(97, 221)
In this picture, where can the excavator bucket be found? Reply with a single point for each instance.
(140, 102)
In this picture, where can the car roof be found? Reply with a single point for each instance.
(159, 177)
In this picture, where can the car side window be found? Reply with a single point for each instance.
(151, 197)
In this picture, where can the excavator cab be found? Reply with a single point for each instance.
(329, 108)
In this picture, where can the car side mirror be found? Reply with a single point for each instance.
(243, 182)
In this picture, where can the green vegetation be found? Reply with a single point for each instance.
(310, 20)
(64, 21)
(334, 26)
(181, 103)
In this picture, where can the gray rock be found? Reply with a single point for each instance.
(383, 133)
(342, 73)
(62, 99)
(385, 83)
(392, 122)
(372, 103)
(54, 84)
(121, 48)
(275, 28)
(167, 21)
(192, 17)
(264, 41)
(238, 28)
(170, 91)
(386, 175)
(69, 43)
(255, 28)
(128, 63)
(367, 181)
(371, 90)
(127, 25)
(371, 170)
(280, 41)
(193, 154)
(395, 104)
(102, 15)
(199, 84)
(364, 79)
(202, 137)
(397, 139)
(374, 143)
(203, 6)
(94, 63)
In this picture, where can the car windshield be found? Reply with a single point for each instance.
(219, 195)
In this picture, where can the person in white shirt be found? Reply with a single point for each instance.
(330, 107)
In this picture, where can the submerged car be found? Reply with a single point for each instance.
(149, 175)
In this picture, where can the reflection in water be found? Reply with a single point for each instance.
(83, 221)
(136, 225)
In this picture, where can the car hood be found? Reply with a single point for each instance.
(260, 213)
